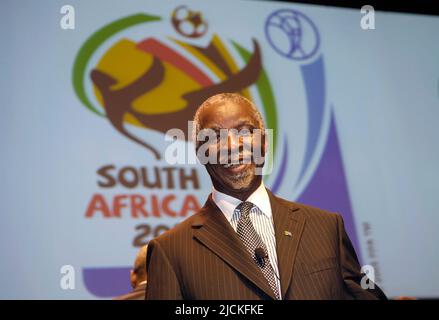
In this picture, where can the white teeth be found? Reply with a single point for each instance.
(230, 165)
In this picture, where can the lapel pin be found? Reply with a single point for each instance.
(287, 233)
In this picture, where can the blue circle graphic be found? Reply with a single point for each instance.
(292, 34)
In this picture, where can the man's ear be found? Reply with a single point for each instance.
(197, 146)
(265, 143)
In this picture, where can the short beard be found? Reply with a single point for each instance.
(242, 181)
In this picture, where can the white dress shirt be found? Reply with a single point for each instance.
(261, 217)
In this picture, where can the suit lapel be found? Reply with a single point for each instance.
(214, 231)
(288, 226)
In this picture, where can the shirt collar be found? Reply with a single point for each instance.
(228, 204)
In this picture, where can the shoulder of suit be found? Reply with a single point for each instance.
(307, 210)
(181, 230)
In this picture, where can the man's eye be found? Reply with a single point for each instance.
(245, 133)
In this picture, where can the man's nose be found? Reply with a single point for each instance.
(233, 140)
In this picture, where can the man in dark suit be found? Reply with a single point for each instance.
(138, 278)
(246, 243)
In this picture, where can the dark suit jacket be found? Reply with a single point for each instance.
(137, 294)
(203, 258)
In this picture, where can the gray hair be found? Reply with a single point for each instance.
(220, 99)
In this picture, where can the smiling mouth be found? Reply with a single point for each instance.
(234, 168)
(242, 159)
(230, 165)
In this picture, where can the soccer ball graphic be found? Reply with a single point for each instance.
(188, 23)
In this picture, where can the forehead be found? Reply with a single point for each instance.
(227, 115)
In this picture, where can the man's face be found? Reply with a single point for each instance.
(235, 127)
